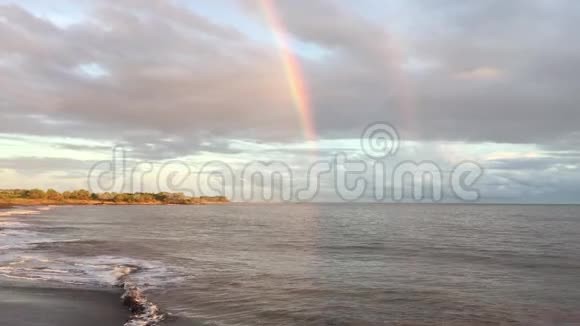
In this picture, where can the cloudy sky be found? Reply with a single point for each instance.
(494, 82)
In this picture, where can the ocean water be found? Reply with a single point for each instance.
(302, 264)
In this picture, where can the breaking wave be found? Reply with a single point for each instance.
(143, 311)
(19, 260)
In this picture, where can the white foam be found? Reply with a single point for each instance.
(110, 270)
(16, 212)
(12, 225)
(19, 261)
(21, 211)
(45, 208)
(97, 271)
(143, 311)
(17, 235)
(20, 238)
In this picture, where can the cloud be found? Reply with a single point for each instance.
(366, 77)
(131, 69)
(161, 70)
(165, 81)
(557, 163)
(481, 73)
(43, 164)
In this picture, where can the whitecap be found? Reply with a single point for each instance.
(16, 212)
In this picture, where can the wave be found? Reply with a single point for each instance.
(45, 208)
(143, 311)
(14, 212)
(13, 225)
(23, 257)
(19, 211)
(19, 238)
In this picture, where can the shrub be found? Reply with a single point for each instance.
(35, 194)
(53, 195)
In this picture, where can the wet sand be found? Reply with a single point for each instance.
(22, 305)
(27, 304)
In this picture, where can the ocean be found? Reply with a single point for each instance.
(309, 264)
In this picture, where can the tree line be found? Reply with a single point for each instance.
(113, 197)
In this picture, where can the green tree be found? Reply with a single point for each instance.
(137, 198)
(175, 198)
(131, 198)
(147, 198)
(67, 195)
(81, 195)
(161, 196)
(53, 195)
(106, 196)
(119, 198)
(35, 194)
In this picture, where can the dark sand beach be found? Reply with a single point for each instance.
(25, 305)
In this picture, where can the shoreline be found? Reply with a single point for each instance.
(39, 303)
(31, 202)
(25, 304)
(82, 197)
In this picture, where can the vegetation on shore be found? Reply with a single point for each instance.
(10, 197)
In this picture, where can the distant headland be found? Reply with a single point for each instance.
(35, 197)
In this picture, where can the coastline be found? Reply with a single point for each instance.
(25, 303)
(6, 204)
(32, 302)
(82, 197)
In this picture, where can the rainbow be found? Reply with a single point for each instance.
(292, 70)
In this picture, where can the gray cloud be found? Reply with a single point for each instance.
(540, 163)
(166, 72)
(170, 80)
(527, 44)
(34, 165)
